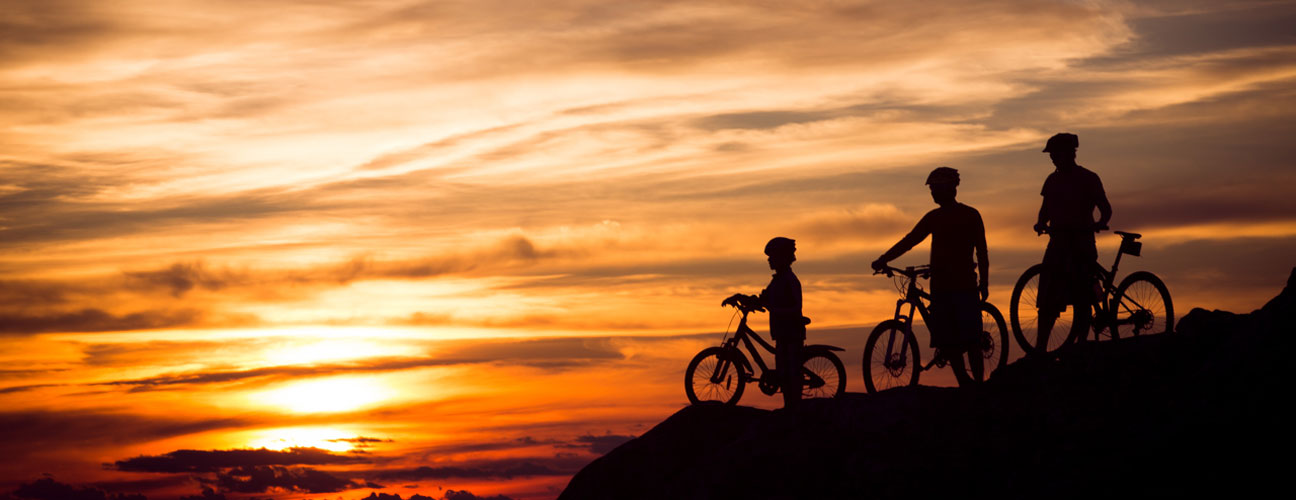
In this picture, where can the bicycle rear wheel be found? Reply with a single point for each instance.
(715, 375)
(994, 344)
(823, 376)
(1141, 306)
(1023, 315)
(890, 357)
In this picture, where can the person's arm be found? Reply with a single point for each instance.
(1041, 222)
(1104, 207)
(983, 259)
(916, 236)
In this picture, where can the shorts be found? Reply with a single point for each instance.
(1068, 274)
(955, 320)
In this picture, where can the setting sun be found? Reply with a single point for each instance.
(329, 395)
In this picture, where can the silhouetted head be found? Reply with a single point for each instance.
(781, 252)
(1062, 149)
(944, 183)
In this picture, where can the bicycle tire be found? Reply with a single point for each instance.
(1023, 314)
(728, 386)
(884, 370)
(826, 367)
(1141, 294)
(995, 345)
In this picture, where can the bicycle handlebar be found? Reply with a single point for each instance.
(1039, 230)
(744, 303)
(912, 272)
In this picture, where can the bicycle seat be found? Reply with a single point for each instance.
(1128, 235)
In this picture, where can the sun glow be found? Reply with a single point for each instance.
(330, 350)
(329, 395)
(324, 438)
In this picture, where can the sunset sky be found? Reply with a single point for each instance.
(318, 249)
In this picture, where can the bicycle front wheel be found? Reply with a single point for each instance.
(715, 375)
(1141, 306)
(1023, 315)
(823, 376)
(890, 357)
(993, 343)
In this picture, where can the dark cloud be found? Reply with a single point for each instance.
(361, 441)
(214, 460)
(30, 387)
(56, 217)
(280, 372)
(49, 489)
(24, 432)
(544, 353)
(96, 320)
(467, 495)
(1218, 27)
(374, 495)
(600, 444)
(264, 478)
(207, 494)
(506, 469)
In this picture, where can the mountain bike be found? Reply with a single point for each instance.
(891, 354)
(720, 373)
(1139, 305)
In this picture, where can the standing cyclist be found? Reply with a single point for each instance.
(956, 230)
(1070, 193)
(782, 298)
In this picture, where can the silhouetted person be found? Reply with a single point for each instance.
(1070, 193)
(957, 231)
(782, 298)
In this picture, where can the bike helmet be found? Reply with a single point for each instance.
(943, 175)
(780, 246)
(1062, 142)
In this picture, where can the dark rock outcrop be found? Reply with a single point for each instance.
(1199, 410)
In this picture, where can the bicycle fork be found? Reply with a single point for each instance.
(892, 361)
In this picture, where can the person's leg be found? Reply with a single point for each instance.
(788, 363)
(1044, 325)
(976, 363)
(960, 370)
(970, 338)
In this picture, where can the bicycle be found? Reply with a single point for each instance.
(1139, 305)
(891, 354)
(720, 373)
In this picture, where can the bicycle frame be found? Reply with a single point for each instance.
(1104, 304)
(914, 297)
(745, 334)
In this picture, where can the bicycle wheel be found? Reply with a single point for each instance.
(823, 375)
(1023, 314)
(1141, 306)
(716, 374)
(890, 357)
(994, 342)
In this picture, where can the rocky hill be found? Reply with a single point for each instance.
(1164, 415)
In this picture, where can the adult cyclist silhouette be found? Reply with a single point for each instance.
(957, 231)
(1070, 194)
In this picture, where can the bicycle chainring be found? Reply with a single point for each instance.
(769, 382)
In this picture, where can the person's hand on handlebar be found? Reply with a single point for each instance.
(1098, 228)
(1040, 228)
(879, 266)
(742, 301)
